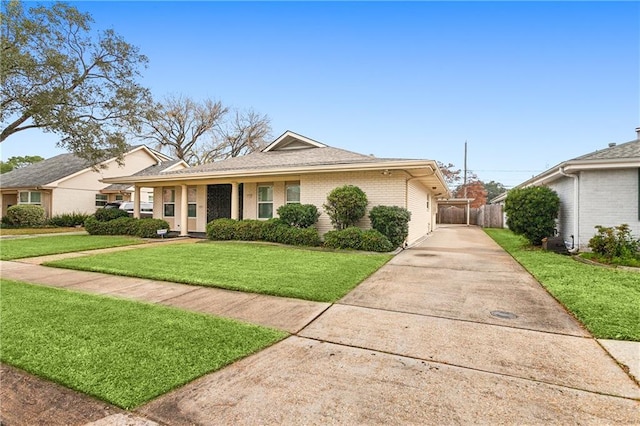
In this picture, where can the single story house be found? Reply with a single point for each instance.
(66, 183)
(292, 169)
(599, 188)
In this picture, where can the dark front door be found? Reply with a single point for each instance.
(218, 202)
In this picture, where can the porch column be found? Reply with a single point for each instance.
(234, 201)
(136, 199)
(184, 211)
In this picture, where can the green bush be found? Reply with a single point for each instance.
(615, 243)
(120, 226)
(105, 215)
(298, 236)
(248, 230)
(221, 229)
(68, 219)
(147, 227)
(357, 239)
(392, 222)
(345, 206)
(273, 229)
(299, 215)
(531, 212)
(25, 215)
(373, 240)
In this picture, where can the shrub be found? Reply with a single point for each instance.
(248, 230)
(221, 229)
(120, 226)
(357, 239)
(531, 212)
(392, 222)
(372, 240)
(146, 228)
(25, 215)
(615, 242)
(68, 219)
(345, 206)
(298, 236)
(272, 230)
(105, 215)
(299, 215)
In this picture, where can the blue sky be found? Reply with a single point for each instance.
(527, 84)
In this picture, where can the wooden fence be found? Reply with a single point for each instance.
(487, 216)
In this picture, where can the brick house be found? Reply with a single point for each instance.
(67, 183)
(599, 188)
(292, 169)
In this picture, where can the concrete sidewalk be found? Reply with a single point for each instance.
(453, 331)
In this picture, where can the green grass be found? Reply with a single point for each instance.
(281, 271)
(40, 246)
(37, 231)
(605, 300)
(122, 352)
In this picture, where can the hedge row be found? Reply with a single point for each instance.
(272, 230)
(277, 231)
(144, 228)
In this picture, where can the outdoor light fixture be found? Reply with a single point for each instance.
(386, 172)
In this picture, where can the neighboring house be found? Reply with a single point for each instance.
(600, 188)
(66, 183)
(293, 169)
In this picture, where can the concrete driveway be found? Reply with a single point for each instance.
(453, 331)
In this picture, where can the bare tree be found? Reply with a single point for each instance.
(179, 124)
(244, 132)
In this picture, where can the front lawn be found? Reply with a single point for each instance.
(41, 246)
(606, 300)
(120, 351)
(38, 231)
(317, 275)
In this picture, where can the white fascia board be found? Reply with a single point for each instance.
(294, 135)
(239, 174)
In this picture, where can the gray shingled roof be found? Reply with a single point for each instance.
(282, 158)
(153, 170)
(624, 150)
(43, 172)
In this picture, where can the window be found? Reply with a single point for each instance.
(30, 197)
(101, 200)
(119, 197)
(265, 202)
(191, 200)
(150, 198)
(293, 192)
(169, 202)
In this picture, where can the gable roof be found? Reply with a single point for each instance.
(43, 172)
(149, 171)
(616, 156)
(56, 168)
(293, 154)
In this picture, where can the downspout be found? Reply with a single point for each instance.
(576, 204)
(406, 202)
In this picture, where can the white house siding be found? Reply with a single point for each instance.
(564, 187)
(608, 198)
(419, 203)
(390, 190)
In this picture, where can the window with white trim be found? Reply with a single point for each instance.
(119, 197)
(192, 193)
(265, 201)
(101, 200)
(30, 197)
(168, 202)
(292, 190)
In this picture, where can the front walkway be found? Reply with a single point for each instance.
(452, 331)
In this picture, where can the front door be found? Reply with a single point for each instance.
(218, 202)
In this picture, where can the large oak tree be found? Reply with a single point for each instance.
(58, 75)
